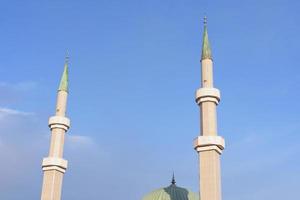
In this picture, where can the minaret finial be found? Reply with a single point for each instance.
(205, 20)
(173, 179)
(206, 51)
(67, 58)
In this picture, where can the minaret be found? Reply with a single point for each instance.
(54, 166)
(208, 145)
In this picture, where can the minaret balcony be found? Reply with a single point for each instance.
(54, 163)
(59, 122)
(208, 94)
(208, 143)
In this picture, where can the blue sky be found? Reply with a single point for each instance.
(134, 68)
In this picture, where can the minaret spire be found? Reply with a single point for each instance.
(54, 166)
(208, 145)
(63, 86)
(206, 50)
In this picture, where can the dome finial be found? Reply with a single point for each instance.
(173, 179)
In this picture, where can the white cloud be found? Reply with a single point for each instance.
(9, 111)
(21, 86)
(79, 139)
(13, 112)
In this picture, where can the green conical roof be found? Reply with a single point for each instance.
(63, 86)
(206, 50)
(172, 193)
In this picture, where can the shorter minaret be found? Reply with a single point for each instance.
(208, 145)
(54, 166)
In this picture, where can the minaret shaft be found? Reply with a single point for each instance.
(208, 145)
(208, 119)
(208, 109)
(61, 103)
(54, 166)
(207, 73)
(57, 143)
(52, 185)
(210, 179)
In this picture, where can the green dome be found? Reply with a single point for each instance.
(172, 193)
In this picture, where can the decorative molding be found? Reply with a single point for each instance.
(207, 143)
(59, 122)
(208, 94)
(54, 163)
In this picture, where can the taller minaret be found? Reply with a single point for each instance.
(54, 166)
(208, 145)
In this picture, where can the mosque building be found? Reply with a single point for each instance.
(208, 144)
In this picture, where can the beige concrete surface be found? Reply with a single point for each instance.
(209, 145)
(54, 166)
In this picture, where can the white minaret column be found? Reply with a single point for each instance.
(208, 145)
(54, 166)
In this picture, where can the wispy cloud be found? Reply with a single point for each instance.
(21, 86)
(13, 112)
(16, 92)
(80, 139)
(9, 111)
